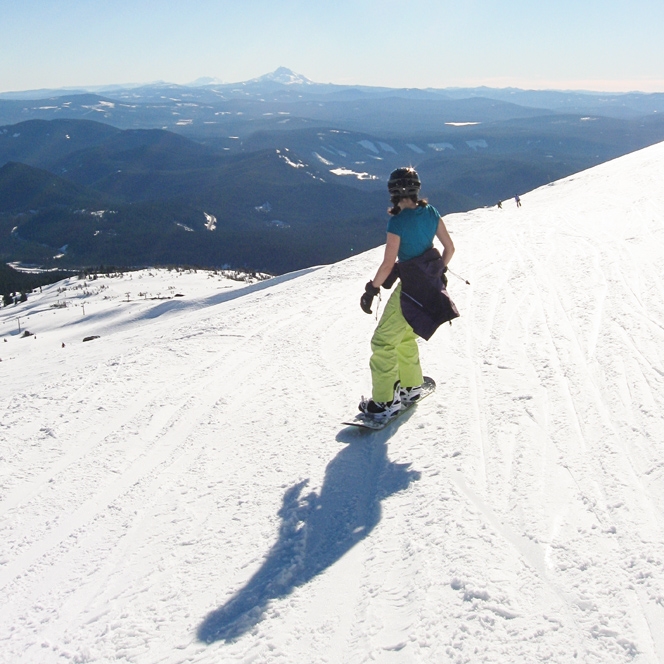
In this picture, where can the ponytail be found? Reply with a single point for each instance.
(395, 209)
(395, 200)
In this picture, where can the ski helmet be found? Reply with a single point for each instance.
(404, 182)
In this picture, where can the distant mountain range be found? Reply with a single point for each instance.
(283, 84)
(292, 172)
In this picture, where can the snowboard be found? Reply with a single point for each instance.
(364, 421)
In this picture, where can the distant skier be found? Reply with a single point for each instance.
(499, 205)
(419, 304)
(517, 200)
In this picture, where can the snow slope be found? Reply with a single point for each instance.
(181, 490)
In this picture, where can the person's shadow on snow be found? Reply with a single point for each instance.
(316, 530)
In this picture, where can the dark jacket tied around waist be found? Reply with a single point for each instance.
(425, 303)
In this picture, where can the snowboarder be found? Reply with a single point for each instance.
(499, 204)
(419, 304)
(517, 200)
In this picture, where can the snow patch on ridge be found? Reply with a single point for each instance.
(322, 159)
(210, 221)
(359, 176)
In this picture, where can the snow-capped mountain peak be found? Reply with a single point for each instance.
(205, 80)
(284, 76)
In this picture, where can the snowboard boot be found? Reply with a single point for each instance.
(381, 410)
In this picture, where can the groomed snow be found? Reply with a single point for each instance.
(180, 489)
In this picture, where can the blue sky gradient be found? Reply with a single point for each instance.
(608, 45)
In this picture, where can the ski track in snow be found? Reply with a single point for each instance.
(181, 490)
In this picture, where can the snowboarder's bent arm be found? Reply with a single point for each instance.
(389, 259)
(446, 241)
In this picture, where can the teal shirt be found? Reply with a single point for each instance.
(416, 228)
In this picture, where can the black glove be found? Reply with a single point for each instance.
(370, 291)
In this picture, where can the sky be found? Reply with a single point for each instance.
(606, 45)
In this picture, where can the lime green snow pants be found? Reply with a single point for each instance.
(395, 354)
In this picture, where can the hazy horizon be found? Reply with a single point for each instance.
(497, 85)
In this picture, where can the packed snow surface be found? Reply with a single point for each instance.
(180, 488)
